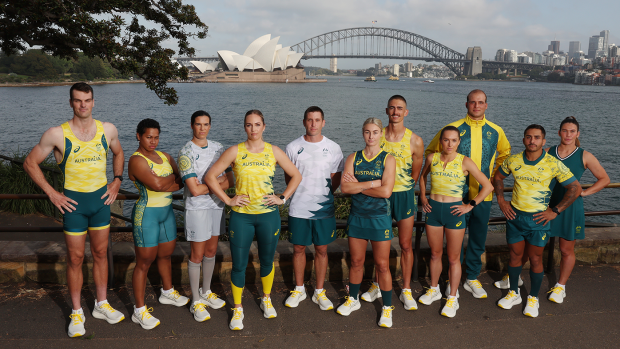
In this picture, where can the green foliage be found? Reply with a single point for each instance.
(15, 180)
(64, 28)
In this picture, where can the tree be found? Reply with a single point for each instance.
(64, 28)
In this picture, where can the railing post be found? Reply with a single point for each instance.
(550, 253)
(416, 248)
(110, 262)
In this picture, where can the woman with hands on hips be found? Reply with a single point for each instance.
(445, 211)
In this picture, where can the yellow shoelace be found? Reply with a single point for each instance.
(212, 296)
(505, 278)
(450, 302)
(267, 303)
(387, 312)
(199, 307)
(429, 292)
(556, 290)
(373, 287)
(175, 294)
(349, 301)
(408, 295)
(531, 301)
(146, 313)
(237, 313)
(107, 307)
(295, 293)
(511, 294)
(476, 283)
(321, 296)
(77, 319)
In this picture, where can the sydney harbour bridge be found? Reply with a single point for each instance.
(387, 43)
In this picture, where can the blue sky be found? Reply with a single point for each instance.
(522, 25)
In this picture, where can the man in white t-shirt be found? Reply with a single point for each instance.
(311, 212)
(204, 212)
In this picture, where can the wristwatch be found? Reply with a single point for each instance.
(283, 198)
(473, 203)
(555, 210)
(119, 177)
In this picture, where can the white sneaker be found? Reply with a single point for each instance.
(408, 302)
(173, 298)
(107, 313)
(448, 289)
(504, 283)
(322, 300)
(452, 305)
(511, 299)
(211, 299)
(145, 319)
(386, 317)
(76, 325)
(531, 309)
(349, 306)
(373, 293)
(269, 312)
(430, 296)
(557, 294)
(236, 323)
(475, 288)
(293, 300)
(200, 312)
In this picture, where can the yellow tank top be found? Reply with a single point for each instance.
(155, 198)
(84, 163)
(401, 151)
(253, 177)
(448, 182)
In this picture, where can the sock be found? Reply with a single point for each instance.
(208, 264)
(268, 281)
(514, 273)
(436, 288)
(79, 311)
(139, 310)
(318, 290)
(536, 279)
(99, 304)
(406, 289)
(193, 269)
(300, 288)
(387, 298)
(237, 293)
(557, 284)
(354, 290)
(166, 292)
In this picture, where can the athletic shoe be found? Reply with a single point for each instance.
(349, 306)
(76, 325)
(531, 309)
(386, 317)
(145, 319)
(511, 299)
(430, 296)
(293, 300)
(452, 305)
(475, 288)
(458, 295)
(504, 283)
(173, 298)
(373, 293)
(107, 313)
(408, 302)
(557, 294)
(211, 299)
(322, 300)
(269, 312)
(200, 312)
(236, 323)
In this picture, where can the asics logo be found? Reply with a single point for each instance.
(244, 156)
(277, 231)
(300, 150)
(76, 149)
(333, 231)
(518, 168)
(459, 224)
(544, 236)
(358, 162)
(463, 132)
(408, 212)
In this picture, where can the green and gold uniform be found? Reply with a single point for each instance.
(84, 168)
(403, 200)
(254, 174)
(570, 225)
(531, 194)
(152, 215)
(448, 182)
(370, 218)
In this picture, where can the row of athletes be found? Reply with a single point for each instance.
(381, 179)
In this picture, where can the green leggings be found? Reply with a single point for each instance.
(242, 228)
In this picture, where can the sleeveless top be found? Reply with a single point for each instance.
(254, 174)
(574, 162)
(151, 198)
(369, 170)
(84, 163)
(449, 181)
(401, 151)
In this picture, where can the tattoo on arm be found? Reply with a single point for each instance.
(498, 184)
(573, 191)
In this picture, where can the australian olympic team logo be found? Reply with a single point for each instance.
(578, 230)
(402, 146)
(387, 233)
(489, 134)
(358, 162)
(98, 146)
(76, 149)
(232, 233)
(300, 150)
(463, 133)
(378, 164)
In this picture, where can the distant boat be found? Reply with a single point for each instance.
(393, 78)
(371, 78)
(430, 81)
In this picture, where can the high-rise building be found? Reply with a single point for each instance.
(378, 66)
(395, 69)
(595, 46)
(574, 46)
(605, 35)
(555, 47)
(408, 66)
(500, 55)
(333, 64)
(511, 56)
(614, 51)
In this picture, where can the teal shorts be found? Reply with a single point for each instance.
(153, 225)
(403, 204)
(523, 227)
(373, 229)
(441, 215)
(312, 231)
(91, 212)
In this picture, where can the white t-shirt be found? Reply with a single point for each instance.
(313, 198)
(195, 161)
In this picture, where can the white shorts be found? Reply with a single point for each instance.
(201, 225)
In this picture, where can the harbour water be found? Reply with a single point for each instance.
(26, 112)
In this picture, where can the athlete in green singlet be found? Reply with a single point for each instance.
(254, 208)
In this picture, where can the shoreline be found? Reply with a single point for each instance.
(67, 83)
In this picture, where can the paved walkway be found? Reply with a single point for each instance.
(36, 316)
